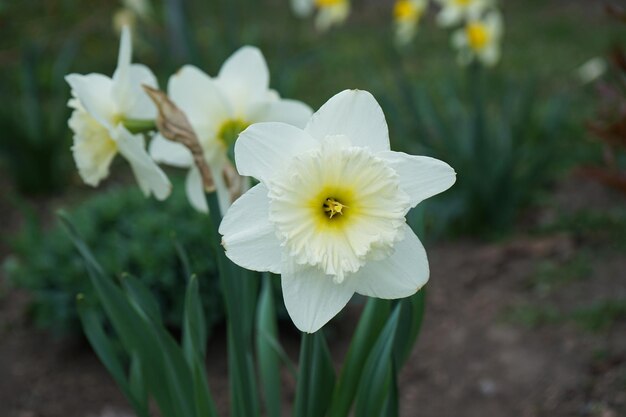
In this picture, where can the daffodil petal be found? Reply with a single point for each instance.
(265, 148)
(120, 90)
(302, 8)
(93, 148)
(355, 114)
(244, 78)
(171, 153)
(151, 179)
(400, 275)
(311, 297)
(199, 98)
(420, 177)
(93, 91)
(490, 55)
(134, 103)
(195, 190)
(249, 237)
(449, 16)
(293, 112)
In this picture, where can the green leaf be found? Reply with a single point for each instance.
(411, 316)
(92, 325)
(268, 357)
(136, 381)
(166, 373)
(240, 292)
(194, 348)
(376, 381)
(141, 297)
(316, 378)
(372, 321)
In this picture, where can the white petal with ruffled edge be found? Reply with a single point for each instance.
(421, 177)
(355, 114)
(311, 297)
(93, 148)
(400, 275)
(151, 179)
(250, 240)
(266, 148)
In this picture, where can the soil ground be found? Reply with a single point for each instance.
(509, 331)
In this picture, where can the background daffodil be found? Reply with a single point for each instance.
(220, 108)
(329, 212)
(406, 17)
(454, 12)
(479, 39)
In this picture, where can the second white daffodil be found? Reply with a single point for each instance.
(329, 212)
(220, 108)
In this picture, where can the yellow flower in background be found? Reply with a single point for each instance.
(329, 12)
(406, 16)
(454, 12)
(479, 39)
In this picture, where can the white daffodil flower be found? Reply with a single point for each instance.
(479, 39)
(220, 108)
(454, 12)
(406, 16)
(101, 105)
(329, 211)
(329, 12)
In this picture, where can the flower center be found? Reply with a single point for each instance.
(405, 10)
(477, 35)
(229, 131)
(336, 207)
(463, 2)
(328, 3)
(332, 207)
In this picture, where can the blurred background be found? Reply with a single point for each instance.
(526, 307)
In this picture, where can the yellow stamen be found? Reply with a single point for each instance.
(477, 35)
(332, 207)
(463, 2)
(328, 3)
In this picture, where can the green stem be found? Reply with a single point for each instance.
(136, 126)
(239, 290)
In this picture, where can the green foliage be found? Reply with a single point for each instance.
(602, 226)
(173, 375)
(129, 233)
(504, 145)
(35, 138)
(597, 317)
(551, 275)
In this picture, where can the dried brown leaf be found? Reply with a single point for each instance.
(174, 125)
